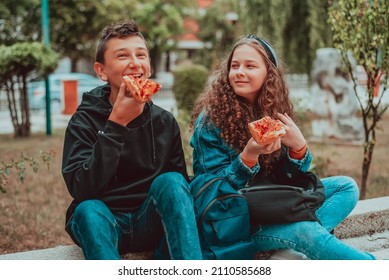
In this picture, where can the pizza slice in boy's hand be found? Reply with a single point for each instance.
(266, 130)
(142, 90)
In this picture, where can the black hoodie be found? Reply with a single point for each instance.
(116, 164)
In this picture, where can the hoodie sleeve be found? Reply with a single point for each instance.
(90, 159)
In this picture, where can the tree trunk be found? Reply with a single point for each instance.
(73, 62)
(367, 158)
(25, 108)
(167, 65)
(155, 58)
(18, 108)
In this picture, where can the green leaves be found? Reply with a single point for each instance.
(361, 27)
(189, 80)
(23, 58)
(17, 62)
(20, 166)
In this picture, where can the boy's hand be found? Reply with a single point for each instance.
(252, 149)
(126, 108)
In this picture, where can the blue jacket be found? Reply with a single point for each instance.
(211, 154)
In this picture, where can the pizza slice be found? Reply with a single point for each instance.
(266, 130)
(141, 89)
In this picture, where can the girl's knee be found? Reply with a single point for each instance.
(350, 186)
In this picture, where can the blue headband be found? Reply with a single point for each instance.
(268, 48)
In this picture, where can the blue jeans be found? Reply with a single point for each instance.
(311, 238)
(168, 209)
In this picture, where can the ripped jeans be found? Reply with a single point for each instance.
(167, 210)
(311, 238)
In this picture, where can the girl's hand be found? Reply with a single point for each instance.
(293, 138)
(252, 150)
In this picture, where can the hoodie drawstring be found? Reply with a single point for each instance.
(152, 134)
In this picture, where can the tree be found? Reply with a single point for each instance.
(218, 30)
(360, 27)
(296, 37)
(266, 19)
(18, 21)
(284, 24)
(76, 25)
(17, 63)
(319, 33)
(161, 21)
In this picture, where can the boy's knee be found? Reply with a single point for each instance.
(89, 210)
(170, 186)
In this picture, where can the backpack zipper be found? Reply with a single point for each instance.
(271, 187)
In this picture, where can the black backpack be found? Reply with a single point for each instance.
(223, 220)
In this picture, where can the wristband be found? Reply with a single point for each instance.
(298, 154)
(248, 163)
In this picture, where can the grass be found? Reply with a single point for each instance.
(32, 214)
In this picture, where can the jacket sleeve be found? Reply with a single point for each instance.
(90, 159)
(212, 155)
(304, 163)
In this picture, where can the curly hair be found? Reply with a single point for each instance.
(231, 113)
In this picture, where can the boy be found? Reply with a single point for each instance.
(123, 162)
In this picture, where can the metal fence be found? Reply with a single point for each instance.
(298, 81)
(165, 92)
(294, 81)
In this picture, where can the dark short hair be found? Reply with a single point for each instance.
(120, 30)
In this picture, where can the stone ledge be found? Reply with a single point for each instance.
(363, 224)
(366, 228)
(68, 252)
(371, 243)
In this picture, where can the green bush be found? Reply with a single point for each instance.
(18, 62)
(23, 58)
(189, 81)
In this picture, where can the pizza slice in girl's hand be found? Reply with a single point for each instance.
(142, 90)
(266, 130)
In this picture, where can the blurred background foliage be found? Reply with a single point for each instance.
(295, 27)
(189, 81)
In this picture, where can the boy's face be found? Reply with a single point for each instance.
(124, 56)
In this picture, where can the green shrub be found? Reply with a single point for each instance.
(18, 62)
(26, 57)
(189, 81)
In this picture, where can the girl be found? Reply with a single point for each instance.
(250, 84)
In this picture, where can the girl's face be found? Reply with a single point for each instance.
(247, 72)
